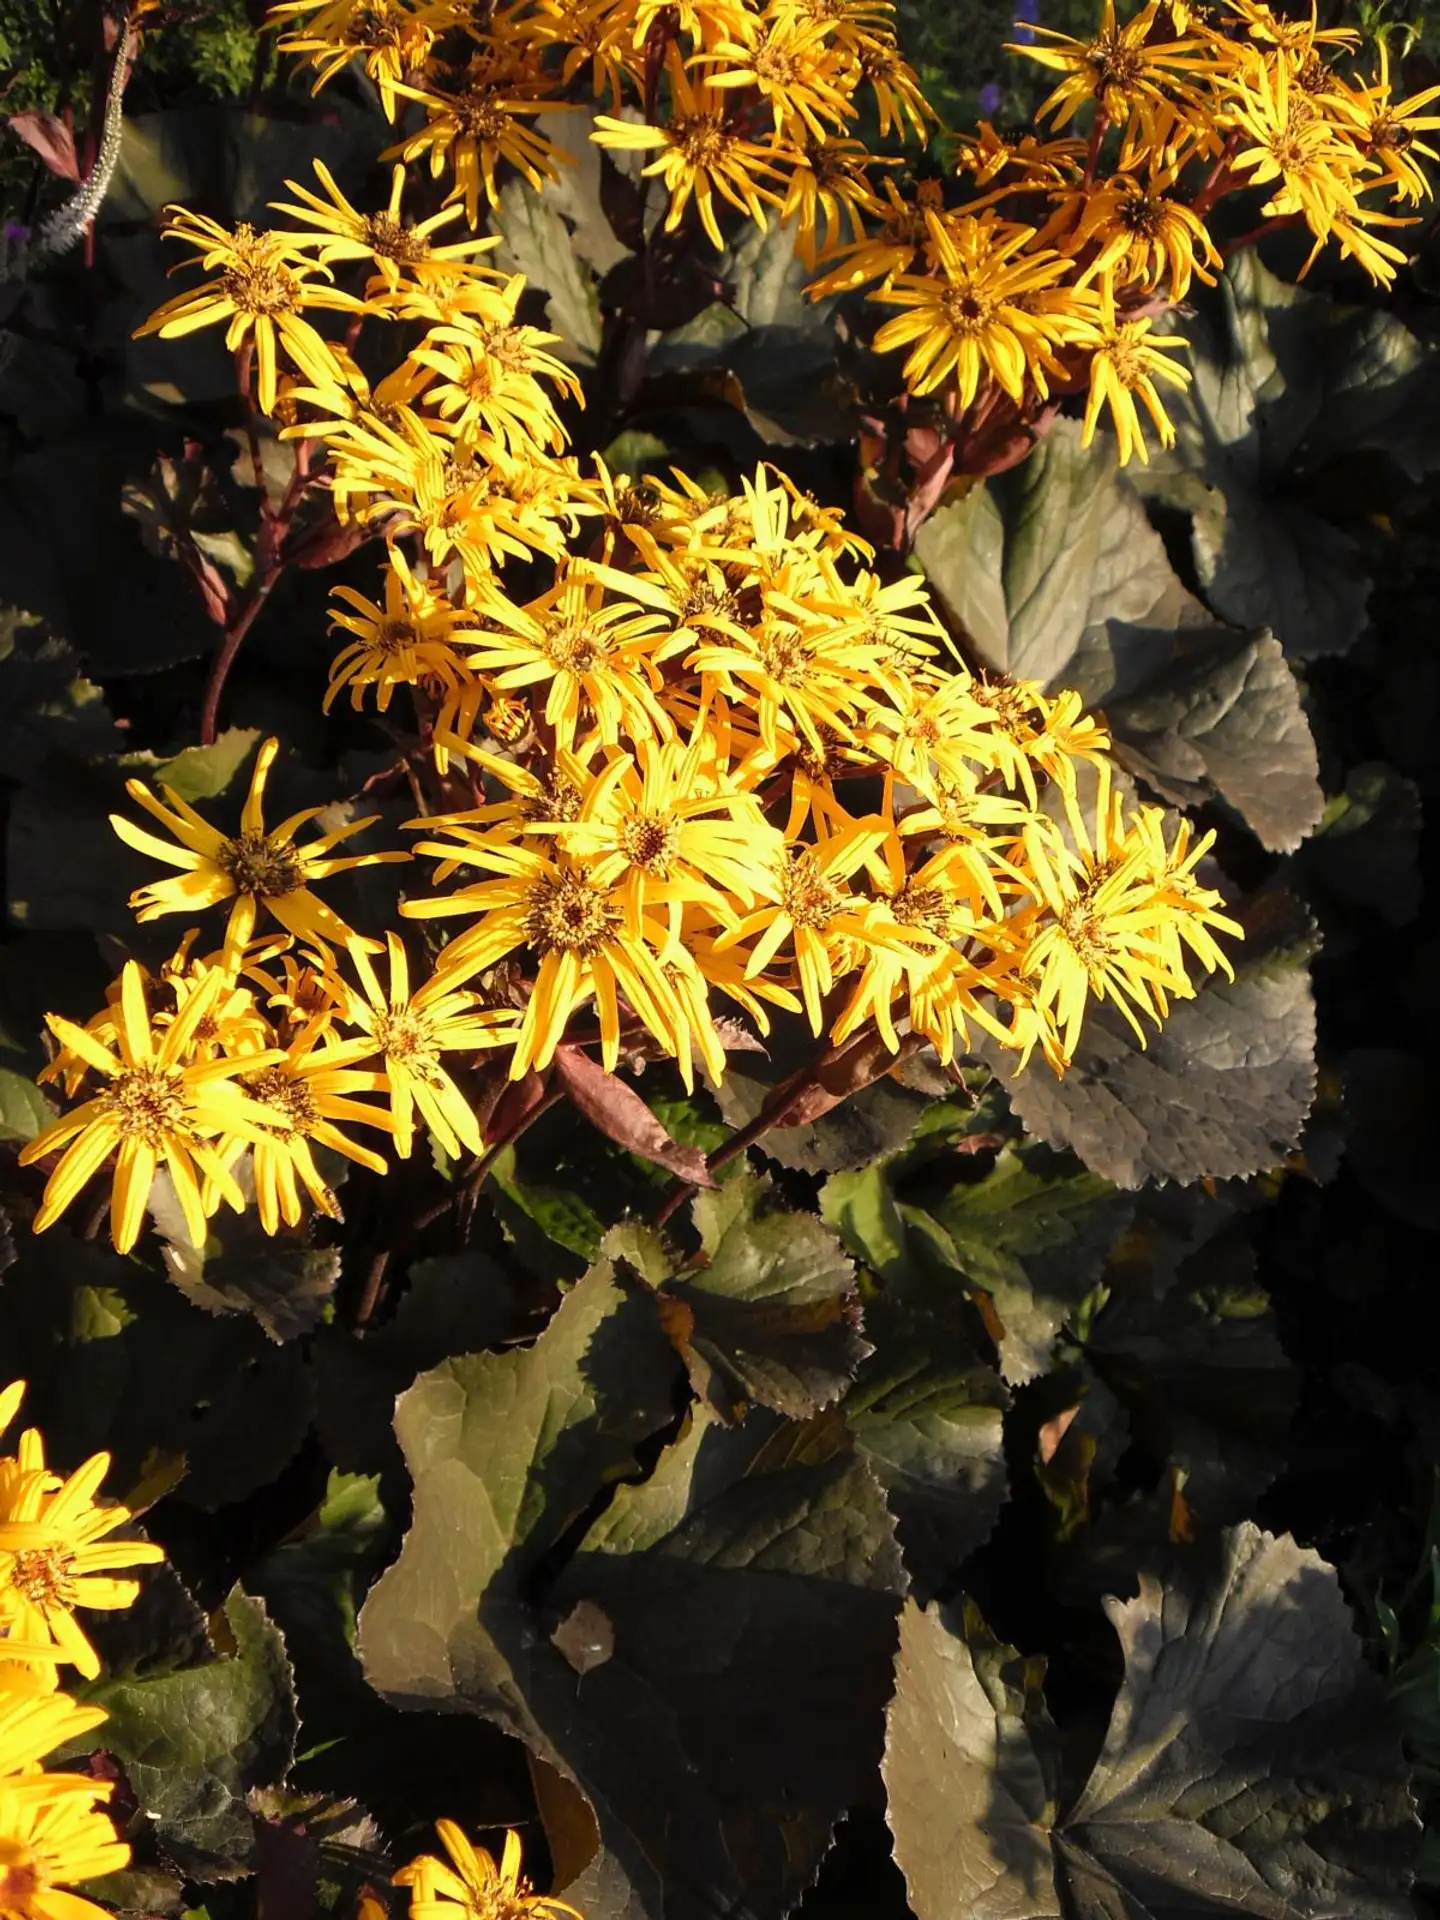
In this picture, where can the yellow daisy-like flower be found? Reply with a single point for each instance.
(575, 928)
(409, 642)
(392, 37)
(304, 1094)
(829, 194)
(55, 1557)
(700, 153)
(900, 102)
(602, 653)
(488, 368)
(253, 867)
(34, 1722)
(463, 494)
(472, 1887)
(810, 909)
(1285, 141)
(264, 286)
(1142, 235)
(482, 124)
(656, 825)
(1387, 132)
(793, 66)
(52, 1834)
(1128, 358)
(1123, 70)
(973, 316)
(401, 253)
(1106, 930)
(411, 1032)
(160, 1105)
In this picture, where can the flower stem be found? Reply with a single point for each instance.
(462, 1195)
(269, 565)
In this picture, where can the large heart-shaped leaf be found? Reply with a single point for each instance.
(1250, 1767)
(195, 1739)
(1056, 575)
(1222, 1090)
(708, 1666)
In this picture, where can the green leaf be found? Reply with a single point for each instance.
(454, 1303)
(1329, 380)
(861, 1207)
(195, 1741)
(1283, 382)
(928, 1415)
(749, 1598)
(1250, 1765)
(1033, 1235)
(66, 870)
(752, 1609)
(1016, 562)
(1250, 1761)
(285, 1285)
(767, 350)
(559, 237)
(46, 703)
(1226, 722)
(204, 773)
(876, 1120)
(1222, 1090)
(561, 1214)
(24, 1109)
(70, 554)
(506, 1452)
(971, 1796)
(125, 1364)
(1056, 575)
(772, 1316)
(315, 1581)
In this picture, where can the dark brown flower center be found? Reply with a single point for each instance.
(42, 1575)
(259, 865)
(290, 1095)
(806, 895)
(392, 241)
(650, 840)
(148, 1103)
(566, 914)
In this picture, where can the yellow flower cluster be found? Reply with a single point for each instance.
(1047, 279)
(679, 750)
(759, 100)
(54, 1557)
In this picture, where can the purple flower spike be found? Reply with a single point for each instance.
(990, 99)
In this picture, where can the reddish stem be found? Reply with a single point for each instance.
(460, 1196)
(1216, 181)
(1097, 134)
(1262, 232)
(772, 1114)
(229, 647)
(269, 561)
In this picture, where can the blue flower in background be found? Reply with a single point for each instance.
(1027, 12)
(990, 99)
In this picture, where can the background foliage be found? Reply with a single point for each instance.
(1047, 1372)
